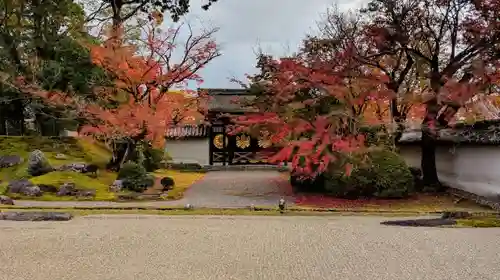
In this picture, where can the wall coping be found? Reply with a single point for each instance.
(479, 133)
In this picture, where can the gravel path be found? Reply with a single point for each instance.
(225, 248)
(216, 189)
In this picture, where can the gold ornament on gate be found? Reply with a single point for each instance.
(265, 140)
(243, 141)
(219, 141)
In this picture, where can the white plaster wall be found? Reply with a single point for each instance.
(475, 169)
(188, 150)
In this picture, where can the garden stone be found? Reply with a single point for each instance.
(35, 216)
(6, 200)
(24, 187)
(164, 195)
(18, 185)
(75, 167)
(67, 189)
(91, 168)
(455, 215)
(421, 223)
(38, 164)
(33, 191)
(60, 156)
(48, 188)
(129, 196)
(86, 193)
(10, 160)
(117, 186)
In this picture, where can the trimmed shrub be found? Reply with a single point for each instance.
(153, 158)
(135, 177)
(384, 175)
(377, 135)
(307, 185)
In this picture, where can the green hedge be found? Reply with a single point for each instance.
(383, 175)
(134, 177)
(377, 135)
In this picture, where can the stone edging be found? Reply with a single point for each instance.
(481, 200)
(194, 167)
(245, 168)
(252, 208)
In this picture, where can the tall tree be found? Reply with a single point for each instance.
(119, 12)
(455, 48)
(38, 40)
(137, 107)
(351, 32)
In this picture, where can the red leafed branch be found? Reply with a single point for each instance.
(140, 104)
(308, 105)
(161, 59)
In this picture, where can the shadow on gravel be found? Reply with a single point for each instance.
(35, 216)
(421, 222)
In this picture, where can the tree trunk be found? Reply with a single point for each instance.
(125, 154)
(122, 152)
(428, 146)
(3, 127)
(428, 160)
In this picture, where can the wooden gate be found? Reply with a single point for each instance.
(238, 149)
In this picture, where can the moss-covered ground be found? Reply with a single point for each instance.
(75, 150)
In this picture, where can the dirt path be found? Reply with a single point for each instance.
(216, 189)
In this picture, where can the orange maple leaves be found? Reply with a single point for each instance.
(139, 102)
(129, 120)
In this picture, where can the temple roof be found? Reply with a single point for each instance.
(228, 100)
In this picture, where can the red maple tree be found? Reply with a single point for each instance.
(441, 53)
(140, 102)
(453, 47)
(313, 109)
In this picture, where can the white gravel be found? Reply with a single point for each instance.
(184, 248)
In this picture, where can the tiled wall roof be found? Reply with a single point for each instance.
(187, 131)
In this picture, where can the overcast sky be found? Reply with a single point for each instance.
(275, 26)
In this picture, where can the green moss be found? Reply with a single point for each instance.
(479, 222)
(3, 188)
(75, 150)
(81, 181)
(95, 152)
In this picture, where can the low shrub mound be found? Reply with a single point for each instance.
(384, 175)
(135, 177)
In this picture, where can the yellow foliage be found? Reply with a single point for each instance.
(183, 180)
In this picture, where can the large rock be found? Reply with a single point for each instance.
(33, 191)
(85, 193)
(48, 188)
(6, 200)
(117, 186)
(67, 189)
(38, 164)
(75, 167)
(35, 216)
(24, 187)
(10, 160)
(60, 156)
